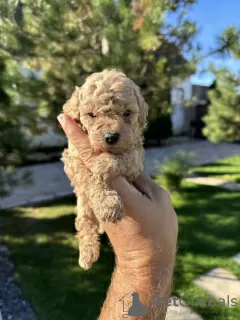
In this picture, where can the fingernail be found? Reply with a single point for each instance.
(61, 119)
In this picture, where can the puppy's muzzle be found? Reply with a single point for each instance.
(111, 137)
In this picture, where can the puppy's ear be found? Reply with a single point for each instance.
(143, 107)
(71, 107)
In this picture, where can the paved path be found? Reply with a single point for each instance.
(13, 304)
(178, 310)
(205, 152)
(50, 182)
(221, 284)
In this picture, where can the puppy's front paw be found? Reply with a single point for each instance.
(113, 208)
(106, 168)
(107, 174)
(88, 255)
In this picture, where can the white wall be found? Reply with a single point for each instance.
(182, 92)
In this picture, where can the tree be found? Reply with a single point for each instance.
(68, 40)
(223, 118)
(223, 121)
(14, 144)
(151, 51)
(229, 42)
(65, 41)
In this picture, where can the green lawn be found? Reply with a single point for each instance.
(209, 220)
(228, 169)
(45, 252)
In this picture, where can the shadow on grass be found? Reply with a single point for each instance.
(45, 253)
(209, 224)
(215, 164)
(209, 221)
(210, 173)
(223, 168)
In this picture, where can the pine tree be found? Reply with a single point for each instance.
(14, 145)
(65, 41)
(69, 39)
(223, 118)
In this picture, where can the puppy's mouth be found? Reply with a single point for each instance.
(112, 150)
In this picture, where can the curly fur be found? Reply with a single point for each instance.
(107, 95)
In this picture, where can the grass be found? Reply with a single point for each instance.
(228, 169)
(209, 221)
(43, 247)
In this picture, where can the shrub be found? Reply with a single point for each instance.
(158, 129)
(173, 170)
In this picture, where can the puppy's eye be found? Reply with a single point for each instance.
(92, 115)
(127, 113)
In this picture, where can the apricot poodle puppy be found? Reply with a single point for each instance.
(111, 110)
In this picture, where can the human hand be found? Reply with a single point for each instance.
(144, 241)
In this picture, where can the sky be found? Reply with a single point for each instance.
(212, 16)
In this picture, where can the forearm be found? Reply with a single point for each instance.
(153, 284)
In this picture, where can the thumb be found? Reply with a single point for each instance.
(131, 197)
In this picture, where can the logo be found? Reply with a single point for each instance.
(131, 306)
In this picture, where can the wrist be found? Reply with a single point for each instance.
(146, 274)
(146, 261)
(148, 277)
(148, 286)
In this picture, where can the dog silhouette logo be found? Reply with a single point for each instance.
(133, 308)
(137, 309)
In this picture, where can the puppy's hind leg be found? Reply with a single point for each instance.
(87, 228)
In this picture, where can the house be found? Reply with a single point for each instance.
(190, 104)
(51, 138)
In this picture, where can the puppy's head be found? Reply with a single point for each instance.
(110, 108)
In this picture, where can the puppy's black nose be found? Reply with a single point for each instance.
(111, 137)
